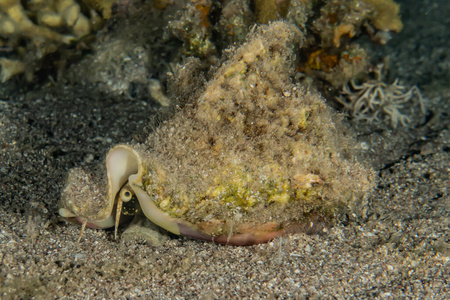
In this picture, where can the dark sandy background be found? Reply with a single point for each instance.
(395, 245)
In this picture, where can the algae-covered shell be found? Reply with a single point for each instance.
(252, 158)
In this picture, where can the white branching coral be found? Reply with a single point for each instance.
(374, 99)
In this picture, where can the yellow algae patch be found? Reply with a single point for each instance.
(386, 15)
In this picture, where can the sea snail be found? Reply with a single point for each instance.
(253, 156)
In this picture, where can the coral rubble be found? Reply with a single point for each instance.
(192, 26)
(331, 27)
(32, 30)
(35, 29)
(335, 28)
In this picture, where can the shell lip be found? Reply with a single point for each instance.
(240, 239)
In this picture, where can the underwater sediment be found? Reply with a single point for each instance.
(253, 156)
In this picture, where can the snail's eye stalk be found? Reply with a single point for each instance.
(125, 195)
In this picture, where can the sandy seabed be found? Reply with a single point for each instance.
(396, 245)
